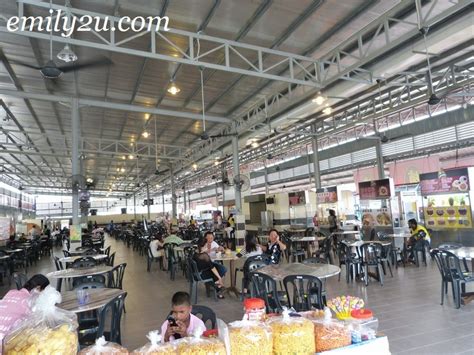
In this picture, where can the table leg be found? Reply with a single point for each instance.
(232, 288)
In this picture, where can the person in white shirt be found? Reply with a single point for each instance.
(210, 245)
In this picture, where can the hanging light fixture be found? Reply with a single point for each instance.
(173, 89)
(130, 156)
(145, 134)
(254, 145)
(195, 166)
(67, 55)
(327, 110)
(319, 99)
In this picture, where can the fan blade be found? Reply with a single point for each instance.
(25, 65)
(94, 63)
(222, 135)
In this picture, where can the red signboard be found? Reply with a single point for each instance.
(376, 189)
(326, 195)
(454, 180)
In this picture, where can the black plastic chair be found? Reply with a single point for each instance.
(205, 314)
(84, 262)
(66, 253)
(450, 245)
(110, 314)
(458, 276)
(20, 279)
(150, 259)
(265, 287)
(315, 260)
(251, 264)
(325, 249)
(195, 278)
(59, 267)
(173, 261)
(437, 255)
(110, 260)
(89, 285)
(116, 276)
(304, 292)
(420, 247)
(385, 258)
(350, 260)
(107, 251)
(19, 260)
(372, 257)
(88, 279)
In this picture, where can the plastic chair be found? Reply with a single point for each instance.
(349, 259)
(315, 260)
(110, 260)
(251, 264)
(116, 276)
(84, 262)
(205, 314)
(172, 259)
(459, 278)
(89, 285)
(20, 279)
(451, 245)
(88, 279)
(306, 292)
(150, 258)
(66, 253)
(325, 249)
(265, 287)
(371, 257)
(386, 251)
(107, 251)
(437, 255)
(195, 278)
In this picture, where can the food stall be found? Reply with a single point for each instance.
(446, 199)
(326, 199)
(378, 206)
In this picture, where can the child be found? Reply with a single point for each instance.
(180, 323)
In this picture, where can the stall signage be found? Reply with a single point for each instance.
(376, 217)
(376, 189)
(326, 195)
(4, 228)
(75, 233)
(454, 180)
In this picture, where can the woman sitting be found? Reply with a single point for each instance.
(251, 248)
(208, 270)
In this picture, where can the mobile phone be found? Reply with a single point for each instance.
(172, 321)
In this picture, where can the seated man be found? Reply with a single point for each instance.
(418, 234)
(180, 323)
(173, 239)
(274, 247)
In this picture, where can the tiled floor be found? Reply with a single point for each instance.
(407, 306)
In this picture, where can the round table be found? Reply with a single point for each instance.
(98, 297)
(79, 272)
(231, 258)
(12, 251)
(279, 272)
(359, 243)
(71, 259)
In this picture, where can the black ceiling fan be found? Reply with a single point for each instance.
(205, 136)
(52, 71)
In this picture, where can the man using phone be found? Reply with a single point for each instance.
(180, 323)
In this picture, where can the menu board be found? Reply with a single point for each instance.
(75, 233)
(448, 217)
(326, 195)
(376, 189)
(453, 180)
(376, 217)
(297, 198)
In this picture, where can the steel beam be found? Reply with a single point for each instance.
(111, 105)
(76, 131)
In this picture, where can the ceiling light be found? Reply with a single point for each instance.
(124, 157)
(216, 163)
(145, 134)
(158, 186)
(89, 180)
(147, 116)
(195, 166)
(327, 110)
(122, 170)
(319, 100)
(173, 89)
(254, 145)
(118, 169)
(130, 156)
(67, 55)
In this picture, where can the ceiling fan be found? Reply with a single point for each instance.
(52, 71)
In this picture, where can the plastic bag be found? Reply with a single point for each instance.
(155, 346)
(13, 308)
(198, 346)
(46, 330)
(329, 333)
(103, 347)
(292, 335)
(250, 337)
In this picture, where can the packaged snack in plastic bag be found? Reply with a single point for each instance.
(46, 330)
(292, 335)
(103, 347)
(14, 306)
(329, 333)
(196, 345)
(250, 337)
(155, 346)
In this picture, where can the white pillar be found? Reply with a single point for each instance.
(173, 194)
(317, 173)
(75, 157)
(148, 201)
(236, 170)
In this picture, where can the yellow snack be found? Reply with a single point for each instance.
(250, 338)
(193, 346)
(331, 335)
(292, 336)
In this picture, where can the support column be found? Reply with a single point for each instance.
(266, 178)
(217, 197)
(380, 164)
(317, 173)
(236, 170)
(75, 157)
(163, 201)
(148, 201)
(135, 206)
(189, 201)
(184, 198)
(174, 213)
